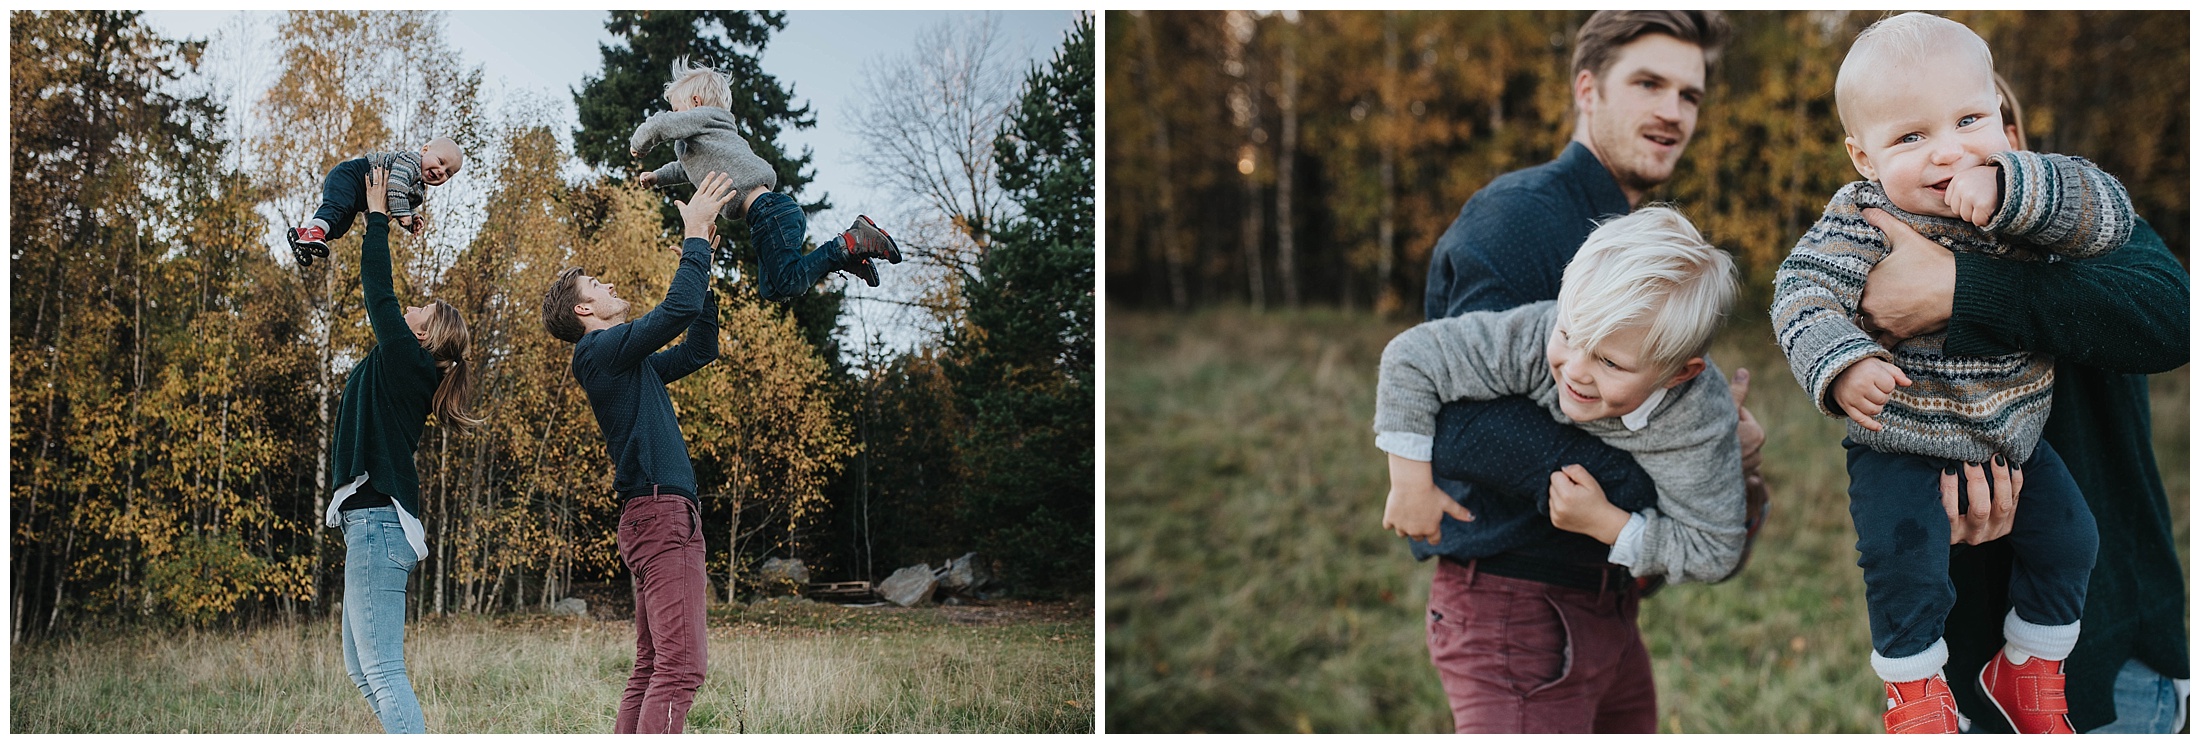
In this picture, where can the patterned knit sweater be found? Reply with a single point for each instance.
(406, 190)
(1967, 408)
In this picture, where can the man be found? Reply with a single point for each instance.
(2108, 321)
(660, 524)
(1531, 628)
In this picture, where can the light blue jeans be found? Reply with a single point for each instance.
(377, 561)
(2146, 703)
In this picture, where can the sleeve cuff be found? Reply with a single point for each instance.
(1628, 548)
(1409, 446)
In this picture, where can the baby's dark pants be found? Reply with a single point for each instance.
(343, 196)
(777, 226)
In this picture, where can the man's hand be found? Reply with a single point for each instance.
(1988, 518)
(1415, 508)
(1911, 292)
(1752, 438)
(1578, 505)
(1862, 390)
(700, 214)
(1975, 193)
(649, 178)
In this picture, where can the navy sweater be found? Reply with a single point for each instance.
(1509, 247)
(625, 376)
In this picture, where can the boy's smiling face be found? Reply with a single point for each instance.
(439, 162)
(1918, 124)
(1612, 379)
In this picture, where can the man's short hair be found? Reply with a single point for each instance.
(1599, 40)
(1650, 267)
(557, 307)
(1904, 38)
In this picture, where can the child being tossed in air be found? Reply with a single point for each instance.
(343, 198)
(1620, 355)
(1916, 96)
(706, 139)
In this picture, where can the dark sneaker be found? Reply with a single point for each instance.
(863, 269)
(864, 240)
(307, 242)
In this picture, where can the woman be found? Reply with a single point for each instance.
(415, 368)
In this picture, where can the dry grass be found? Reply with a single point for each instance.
(780, 666)
(1250, 586)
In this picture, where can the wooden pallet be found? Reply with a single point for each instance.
(841, 591)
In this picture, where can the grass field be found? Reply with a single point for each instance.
(775, 666)
(1250, 586)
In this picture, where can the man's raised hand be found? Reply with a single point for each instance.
(700, 214)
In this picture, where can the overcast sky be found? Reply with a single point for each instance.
(543, 55)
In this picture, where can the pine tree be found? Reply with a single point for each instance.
(1024, 363)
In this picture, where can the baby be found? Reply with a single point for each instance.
(1916, 95)
(342, 197)
(705, 139)
(1619, 354)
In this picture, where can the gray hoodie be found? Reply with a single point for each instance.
(705, 139)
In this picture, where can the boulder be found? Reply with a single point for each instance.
(570, 606)
(910, 586)
(965, 575)
(784, 576)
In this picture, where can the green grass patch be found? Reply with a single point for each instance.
(779, 666)
(1251, 587)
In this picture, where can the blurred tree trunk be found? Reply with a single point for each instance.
(1163, 186)
(1287, 152)
(1387, 134)
(1245, 113)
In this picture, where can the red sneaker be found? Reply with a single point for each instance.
(1922, 707)
(2029, 695)
(307, 242)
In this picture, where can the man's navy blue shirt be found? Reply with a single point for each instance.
(625, 375)
(1509, 247)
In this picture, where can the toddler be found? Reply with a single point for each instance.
(1917, 98)
(342, 197)
(705, 139)
(1619, 354)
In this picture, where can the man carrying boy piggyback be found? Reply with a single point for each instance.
(1638, 78)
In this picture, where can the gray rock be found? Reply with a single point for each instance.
(910, 586)
(965, 574)
(570, 606)
(784, 576)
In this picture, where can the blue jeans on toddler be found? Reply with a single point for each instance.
(343, 196)
(377, 561)
(1902, 542)
(777, 225)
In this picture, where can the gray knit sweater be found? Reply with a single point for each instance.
(406, 191)
(705, 139)
(1688, 447)
(1967, 408)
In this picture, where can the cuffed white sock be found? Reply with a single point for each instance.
(1914, 667)
(2026, 640)
(318, 222)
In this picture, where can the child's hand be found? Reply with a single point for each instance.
(633, 153)
(1862, 390)
(378, 191)
(1975, 194)
(415, 223)
(1578, 505)
(649, 178)
(1415, 508)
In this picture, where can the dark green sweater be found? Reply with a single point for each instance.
(386, 400)
(2109, 322)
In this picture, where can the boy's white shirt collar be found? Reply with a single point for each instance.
(1640, 417)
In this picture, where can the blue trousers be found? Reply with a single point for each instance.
(1902, 545)
(343, 196)
(377, 561)
(777, 226)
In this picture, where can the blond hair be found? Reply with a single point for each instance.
(714, 88)
(449, 342)
(1906, 38)
(1650, 267)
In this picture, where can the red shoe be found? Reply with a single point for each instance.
(307, 242)
(1922, 707)
(2029, 695)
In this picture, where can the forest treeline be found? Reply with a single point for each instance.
(174, 381)
(1300, 158)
